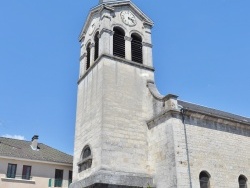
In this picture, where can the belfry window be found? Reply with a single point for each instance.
(119, 42)
(88, 57)
(96, 45)
(86, 159)
(204, 179)
(136, 48)
(242, 181)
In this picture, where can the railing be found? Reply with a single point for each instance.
(20, 177)
(59, 183)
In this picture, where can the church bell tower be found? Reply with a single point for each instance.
(111, 146)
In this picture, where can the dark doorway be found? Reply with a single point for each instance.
(26, 172)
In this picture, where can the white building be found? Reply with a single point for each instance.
(129, 135)
(29, 164)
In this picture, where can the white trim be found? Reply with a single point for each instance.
(36, 161)
(18, 180)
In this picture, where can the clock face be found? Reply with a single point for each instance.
(128, 18)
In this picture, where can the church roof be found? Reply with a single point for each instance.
(21, 149)
(110, 4)
(198, 108)
(106, 1)
(213, 112)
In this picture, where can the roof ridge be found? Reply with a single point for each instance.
(212, 108)
(14, 139)
(55, 149)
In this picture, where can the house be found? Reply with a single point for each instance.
(29, 164)
(127, 134)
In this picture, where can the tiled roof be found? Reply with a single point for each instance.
(22, 149)
(211, 111)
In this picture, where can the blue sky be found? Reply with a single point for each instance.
(201, 53)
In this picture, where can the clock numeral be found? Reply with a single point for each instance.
(128, 18)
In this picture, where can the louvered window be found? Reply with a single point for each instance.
(242, 182)
(88, 57)
(136, 48)
(119, 42)
(86, 159)
(204, 179)
(96, 45)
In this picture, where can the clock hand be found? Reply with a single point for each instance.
(131, 19)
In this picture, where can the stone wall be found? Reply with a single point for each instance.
(112, 110)
(162, 155)
(220, 147)
(89, 120)
(125, 111)
(217, 145)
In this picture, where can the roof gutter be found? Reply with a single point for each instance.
(36, 161)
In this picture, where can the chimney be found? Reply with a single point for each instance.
(34, 142)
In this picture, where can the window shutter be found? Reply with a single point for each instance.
(119, 43)
(136, 48)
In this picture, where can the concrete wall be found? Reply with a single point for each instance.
(40, 172)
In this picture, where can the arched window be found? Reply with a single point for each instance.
(96, 45)
(86, 159)
(88, 57)
(86, 152)
(242, 181)
(204, 179)
(119, 42)
(136, 48)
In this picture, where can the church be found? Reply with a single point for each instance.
(128, 135)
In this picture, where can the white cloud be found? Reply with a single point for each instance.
(18, 137)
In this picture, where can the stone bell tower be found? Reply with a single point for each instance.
(111, 147)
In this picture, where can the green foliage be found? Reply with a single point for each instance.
(149, 186)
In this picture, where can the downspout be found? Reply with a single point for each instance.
(187, 151)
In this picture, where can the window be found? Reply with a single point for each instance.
(86, 153)
(88, 57)
(96, 45)
(11, 171)
(204, 179)
(119, 42)
(26, 172)
(136, 48)
(242, 181)
(70, 177)
(58, 178)
(86, 159)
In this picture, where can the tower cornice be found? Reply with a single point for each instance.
(117, 59)
(110, 6)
